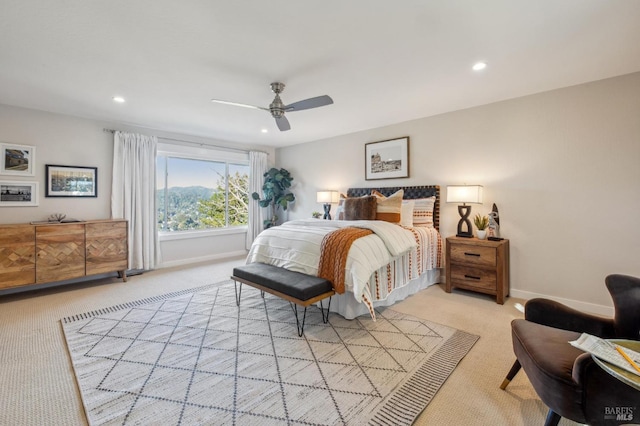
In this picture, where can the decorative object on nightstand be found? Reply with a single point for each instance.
(464, 194)
(327, 197)
(481, 223)
(478, 265)
(494, 222)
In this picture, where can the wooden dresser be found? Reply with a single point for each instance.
(47, 252)
(478, 265)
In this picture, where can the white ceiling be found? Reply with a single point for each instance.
(382, 62)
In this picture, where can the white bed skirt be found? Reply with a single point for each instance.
(346, 305)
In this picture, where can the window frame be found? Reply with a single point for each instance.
(203, 154)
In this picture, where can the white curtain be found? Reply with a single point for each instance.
(133, 195)
(257, 169)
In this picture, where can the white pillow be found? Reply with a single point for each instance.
(406, 213)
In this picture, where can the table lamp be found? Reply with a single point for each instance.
(327, 197)
(464, 194)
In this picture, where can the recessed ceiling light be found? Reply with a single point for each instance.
(118, 99)
(478, 66)
(264, 131)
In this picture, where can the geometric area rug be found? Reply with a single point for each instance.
(193, 357)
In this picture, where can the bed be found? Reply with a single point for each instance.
(386, 265)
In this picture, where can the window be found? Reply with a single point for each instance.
(196, 193)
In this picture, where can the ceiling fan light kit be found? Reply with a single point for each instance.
(277, 108)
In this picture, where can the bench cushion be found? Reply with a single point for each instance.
(295, 284)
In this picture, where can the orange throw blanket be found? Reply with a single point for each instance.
(333, 254)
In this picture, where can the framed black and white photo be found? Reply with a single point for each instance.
(387, 159)
(71, 181)
(17, 160)
(18, 193)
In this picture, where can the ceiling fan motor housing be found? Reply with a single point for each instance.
(276, 107)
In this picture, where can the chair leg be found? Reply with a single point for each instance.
(512, 373)
(552, 418)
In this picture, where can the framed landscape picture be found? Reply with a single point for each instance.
(17, 160)
(18, 194)
(387, 159)
(71, 181)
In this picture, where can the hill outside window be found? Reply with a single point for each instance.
(198, 191)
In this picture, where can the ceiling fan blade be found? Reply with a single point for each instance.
(316, 102)
(220, 101)
(283, 124)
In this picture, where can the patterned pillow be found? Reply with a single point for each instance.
(389, 208)
(423, 212)
(360, 208)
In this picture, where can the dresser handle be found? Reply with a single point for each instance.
(472, 277)
(471, 254)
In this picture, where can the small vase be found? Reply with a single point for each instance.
(481, 234)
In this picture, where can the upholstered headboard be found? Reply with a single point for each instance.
(410, 193)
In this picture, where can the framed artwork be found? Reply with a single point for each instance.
(71, 181)
(17, 160)
(387, 159)
(18, 193)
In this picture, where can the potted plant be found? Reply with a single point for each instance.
(275, 191)
(481, 222)
(316, 215)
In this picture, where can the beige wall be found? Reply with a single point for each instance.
(65, 140)
(563, 168)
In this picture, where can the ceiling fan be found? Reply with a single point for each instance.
(277, 108)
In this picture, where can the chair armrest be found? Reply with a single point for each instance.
(553, 314)
(601, 390)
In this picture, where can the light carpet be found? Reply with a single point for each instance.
(194, 357)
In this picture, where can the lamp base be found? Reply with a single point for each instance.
(327, 211)
(464, 212)
(464, 235)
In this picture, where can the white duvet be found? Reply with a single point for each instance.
(295, 245)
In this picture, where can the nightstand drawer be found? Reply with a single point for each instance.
(478, 265)
(473, 255)
(473, 278)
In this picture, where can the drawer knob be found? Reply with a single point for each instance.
(471, 277)
(471, 254)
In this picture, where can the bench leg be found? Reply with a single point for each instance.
(325, 318)
(238, 292)
(299, 325)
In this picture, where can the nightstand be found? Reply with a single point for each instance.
(478, 265)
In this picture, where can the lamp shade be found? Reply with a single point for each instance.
(327, 196)
(464, 194)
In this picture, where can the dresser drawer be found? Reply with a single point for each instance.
(473, 278)
(473, 255)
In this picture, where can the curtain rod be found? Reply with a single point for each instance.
(197, 143)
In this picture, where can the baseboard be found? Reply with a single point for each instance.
(208, 258)
(43, 286)
(575, 304)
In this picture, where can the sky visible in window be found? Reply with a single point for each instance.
(185, 172)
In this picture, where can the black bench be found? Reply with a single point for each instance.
(298, 288)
